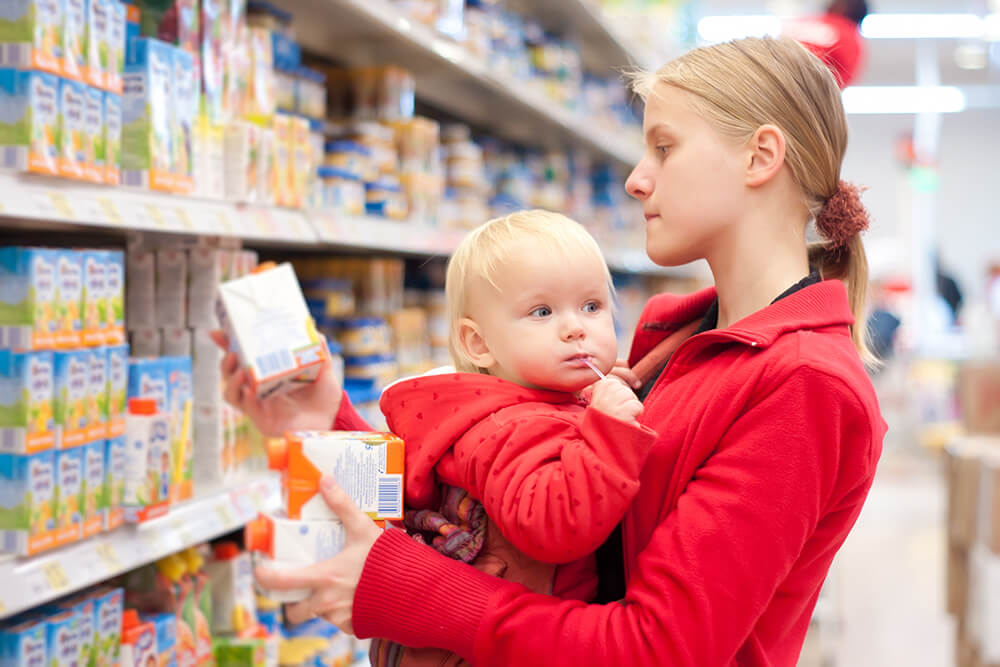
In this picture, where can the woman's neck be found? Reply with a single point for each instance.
(755, 268)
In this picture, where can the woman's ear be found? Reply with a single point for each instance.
(767, 155)
(473, 345)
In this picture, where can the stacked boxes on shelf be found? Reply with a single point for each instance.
(61, 368)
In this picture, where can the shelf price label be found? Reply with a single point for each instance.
(225, 515)
(182, 529)
(61, 204)
(155, 214)
(109, 210)
(55, 576)
(183, 218)
(109, 557)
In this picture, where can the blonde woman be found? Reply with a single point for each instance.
(768, 428)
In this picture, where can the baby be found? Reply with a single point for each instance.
(507, 468)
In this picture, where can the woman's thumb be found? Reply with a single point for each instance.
(342, 505)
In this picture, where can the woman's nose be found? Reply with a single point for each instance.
(639, 184)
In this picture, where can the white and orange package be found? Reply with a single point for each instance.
(270, 329)
(367, 466)
(281, 542)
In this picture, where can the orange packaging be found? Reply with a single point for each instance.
(138, 641)
(368, 466)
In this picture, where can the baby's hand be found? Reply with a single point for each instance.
(613, 398)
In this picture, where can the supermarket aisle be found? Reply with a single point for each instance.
(889, 576)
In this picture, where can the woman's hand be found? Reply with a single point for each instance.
(311, 407)
(625, 374)
(334, 581)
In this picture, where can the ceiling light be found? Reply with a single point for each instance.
(971, 56)
(903, 99)
(922, 26)
(724, 28)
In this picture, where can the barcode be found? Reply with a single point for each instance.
(390, 496)
(14, 157)
(15, 55)
(276, 362)
(134, 179)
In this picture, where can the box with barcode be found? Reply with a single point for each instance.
(147, 140)
(270, 329)
(367, 466)
(29, 137)
(31, 35)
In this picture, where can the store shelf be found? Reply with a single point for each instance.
(30, 582)
(447, 76)
(604, 49)
(61, 202)
(379, 234)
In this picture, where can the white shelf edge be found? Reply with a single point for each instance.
(598, 17)
(29, 582)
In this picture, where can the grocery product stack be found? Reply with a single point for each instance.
(972, 465)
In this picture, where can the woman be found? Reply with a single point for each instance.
(768, 428)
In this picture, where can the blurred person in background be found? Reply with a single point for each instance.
(835, 37)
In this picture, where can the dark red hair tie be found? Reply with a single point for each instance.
(843, 216)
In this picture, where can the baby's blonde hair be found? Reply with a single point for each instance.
(485, 250)
(741, 85)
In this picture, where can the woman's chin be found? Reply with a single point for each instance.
(666, 255)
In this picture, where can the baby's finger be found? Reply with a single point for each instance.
(627, 376)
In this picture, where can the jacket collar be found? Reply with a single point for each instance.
(817, 306)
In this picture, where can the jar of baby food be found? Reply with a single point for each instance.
(352, 157)
(311, 93)
(363, 336)
(329, 297)
(385, 198)
(380, 369)
(285, 83)
(381, 140)
(341, 191)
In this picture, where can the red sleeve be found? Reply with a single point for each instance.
(555, 487)
(347, 418)
(700, 584)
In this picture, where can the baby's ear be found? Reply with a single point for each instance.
(472, 344)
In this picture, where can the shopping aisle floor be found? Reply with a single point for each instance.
(888, 579)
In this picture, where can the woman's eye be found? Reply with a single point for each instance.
(591, 307)
(662, 151)
(541, 311)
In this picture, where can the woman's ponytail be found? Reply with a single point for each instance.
(842, 256)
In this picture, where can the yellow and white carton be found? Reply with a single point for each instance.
(280, 542)
(270, 329)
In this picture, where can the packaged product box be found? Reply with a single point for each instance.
(292, 543)
(94, 296)
(69, 298)
(97, 44)
(97, 395)
(147, 141)
(74, 31)
(138, 641)
(242, 147)
(133, 16)
(173, 21)
(266, 157)
(140, 289)
(112, 138)
(72, 390)
(94, 151)
(206, 373)
(148, 469)
(116, 47)
(62, 639)
(185, 99)
(209, 169)
(979, 396)
(29, 317)
(240, 651)
(27, 520)
(270, 329)
(179, 398)
(147, 378)
(166, 637)
(146, 342)
(368, 466)
(30, 127)
(94, 478)
(204, 277)
(86, 628)
(22, 644)
(114, 285)
(283, 152)
(117, 389)
(68, 495)
(114, 465)
(302, 165)
(171, 287)
(236, 63)
(212, 60)
(988, 510)
(108, 610)
(27, 424)
(208, 434)
(175, 342)
(260, 103)
(31, 34)
(230, 575)
(72, 105)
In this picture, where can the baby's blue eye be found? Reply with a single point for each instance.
(541, 311)
(591, 307)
